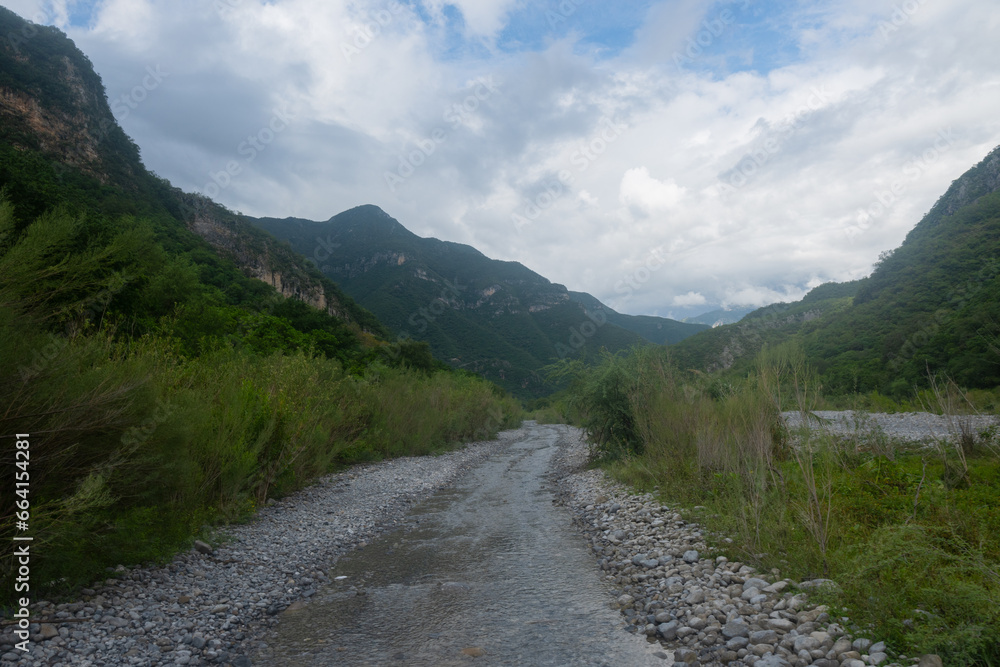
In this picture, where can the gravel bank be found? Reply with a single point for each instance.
(910, 426)
(212, 608)
(704, 610)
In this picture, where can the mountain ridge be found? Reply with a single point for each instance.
(497, 317)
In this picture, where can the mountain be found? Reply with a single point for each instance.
(720, 316)
(61, 146)
(930, 306)
(659, 330)
(496, 318)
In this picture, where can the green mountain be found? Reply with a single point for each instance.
(168, 365)
(659, 330)
(930, 306)
(60, 146)
(498, 319)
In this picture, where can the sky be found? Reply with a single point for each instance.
(667, 156)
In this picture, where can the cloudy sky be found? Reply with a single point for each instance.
(667, 156)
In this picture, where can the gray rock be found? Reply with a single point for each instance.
(755, 582)
(691, 556)
(696, 597)
(930, 660)
(772, 661)
(736, 643)
(685, 655)
(663, 617)
(202, 547)
(781, 624)
(764, 637)
(861, 644)
(669, 630)
(877, 657)
(735, 629)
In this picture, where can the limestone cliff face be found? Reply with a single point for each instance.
(260, 256)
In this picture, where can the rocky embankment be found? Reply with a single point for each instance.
(211, 607)
(706, 610)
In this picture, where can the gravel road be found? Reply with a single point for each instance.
(220, 606)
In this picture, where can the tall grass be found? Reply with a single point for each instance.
(133, 449)
(911, 535)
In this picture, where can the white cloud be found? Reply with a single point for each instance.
(690, 299)
(815, 140)
(643, 193)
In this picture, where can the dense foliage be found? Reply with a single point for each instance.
(910, 534)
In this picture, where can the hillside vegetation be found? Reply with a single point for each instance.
(931, 306)
(498, 319)
(910, 534)
(165, 382)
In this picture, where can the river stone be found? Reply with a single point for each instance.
(691, 556)
(842, 645)
(764, 637)
(685, 655)
(668, 630)
(877, 658)
(861, 644)
(776, 587)
(665, 617)
(805, 642)
(696, 597)
(754, 582)
(625, 600)
(650, 564)
(751, 592)
(772, 661)
(930, 660)
(781, 624)
(735, 629)
(736, 643)
(202, 547)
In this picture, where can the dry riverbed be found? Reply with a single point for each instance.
(218, 605)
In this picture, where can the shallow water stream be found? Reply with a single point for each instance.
(490, 573)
